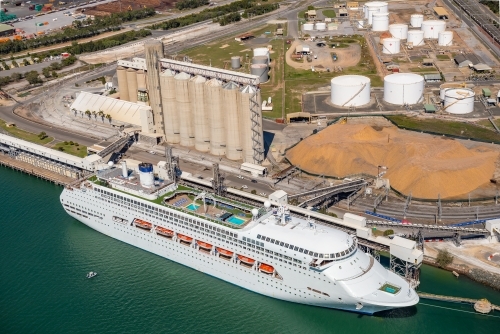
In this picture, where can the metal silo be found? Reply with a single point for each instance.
(215, 111)
(260, 70)
(251, 124)
(154, 52)
(200, 118)
(260, 60)
(132, 85)
(141, 79)
(235, 62)
(231, 97)
(183, 107)
(170, 114)
(121, 73)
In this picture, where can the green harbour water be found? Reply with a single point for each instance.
(45, 255)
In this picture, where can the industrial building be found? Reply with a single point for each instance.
(210, 109)
(6, 30)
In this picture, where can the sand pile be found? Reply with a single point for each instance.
(421, 164)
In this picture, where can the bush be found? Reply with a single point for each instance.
(444, 258)
(254, 191)
(61, 148)
(71, 143)
(388, 232)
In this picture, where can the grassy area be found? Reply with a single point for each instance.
(25, 135)
(446, 127)
(329, 13)
(71, 148)
(443, 57)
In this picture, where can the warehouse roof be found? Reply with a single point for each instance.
(440, 11)
(472, 58)
(482, 67)
(5, 27)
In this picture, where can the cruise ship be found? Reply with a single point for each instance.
(265, 250)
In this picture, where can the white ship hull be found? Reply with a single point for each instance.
(295, 285)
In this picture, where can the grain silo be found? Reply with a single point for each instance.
(121, 73)
(260, 60)
(350, 90)
(183, 108)
(260, 70)
(216, 110)
(132, 85)
(154, 52)
(403, 88)
(200, 118)
(141, 79)
(250, 124)
(231, 98)
(170, 114)
(235, 62)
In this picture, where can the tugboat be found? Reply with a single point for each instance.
(91, 274)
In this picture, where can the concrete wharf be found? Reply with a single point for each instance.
(425, 295)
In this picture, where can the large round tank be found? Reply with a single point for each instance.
(132, 85)
(321, 26)
(350, 90)
(445, 38)
(200, 117)
(380, 21)
(260, 60)
(416, 37)
(121, 73)
(403, 88)
(308, 26)
(399, 31)
(146, 175)
(384, 35)
(170, 114)
(261, 70)
(262, 52)
(246, 123)
(183, 107)
(432, 28)
(391, 46)
(371, 11)
(416, 20)
(231, 98)
(459, 100)
(216, 109)
(448, 85)
(235, 62)
(141, 79)
(374, 7)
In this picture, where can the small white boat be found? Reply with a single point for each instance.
(91, 274)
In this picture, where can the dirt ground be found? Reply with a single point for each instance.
(349, 56)
(427, 166)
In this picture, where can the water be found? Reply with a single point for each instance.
(45, 256)
(235, 220)
(192, 207)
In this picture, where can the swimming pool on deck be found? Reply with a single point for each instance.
(235, 220)
(192, 207)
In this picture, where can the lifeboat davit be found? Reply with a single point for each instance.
(266, 268)
(245, 259)
(204, 244)
(224, 252)
(143, 224)
(184, 237)
(164, 231)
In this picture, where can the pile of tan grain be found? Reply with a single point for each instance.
(421, 164)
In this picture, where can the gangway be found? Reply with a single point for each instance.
(326, 189)
(341, 188)
(115, 146)
(454, 229)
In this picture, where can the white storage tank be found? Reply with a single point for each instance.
(391, 46)
(399, 31)
(380, 22)
(432, 28)
(260, 60)
(350, 90)
(262, 52)
(371, 11)
(403, 88)
(235, 62)
(261, 70)
(374, 7)
(459, 100)
(445, 38)
(449, 85)
(308, 26)
(416, 20)
(321, 26)
(416, 37)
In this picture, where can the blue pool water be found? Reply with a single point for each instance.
(235, 220)
(192, 207)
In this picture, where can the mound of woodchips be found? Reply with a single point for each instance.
(421, 164)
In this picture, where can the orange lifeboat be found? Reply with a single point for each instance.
(204, 244)
(266, 268)
(164, 231)
(185, 238)
(143, 224)
(246, 260)
(224, 252)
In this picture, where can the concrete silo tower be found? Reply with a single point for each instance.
(154, 52)
(121, 73)
(200, 118)
(183, 108)
(215, 111)
(170, 114)
(232, 102)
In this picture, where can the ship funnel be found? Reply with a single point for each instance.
(124, 169)
(146, 174)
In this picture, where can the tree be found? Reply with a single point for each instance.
(101, 114)
(108, 117)
(94, 114)
(54, 74)
(88, 113)
(444, 258)
(254, 191)
(388, 232)
(14, 63)
(46, 72)
(42, 135)
(26, 62)
(16, 76)
(32, 77)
